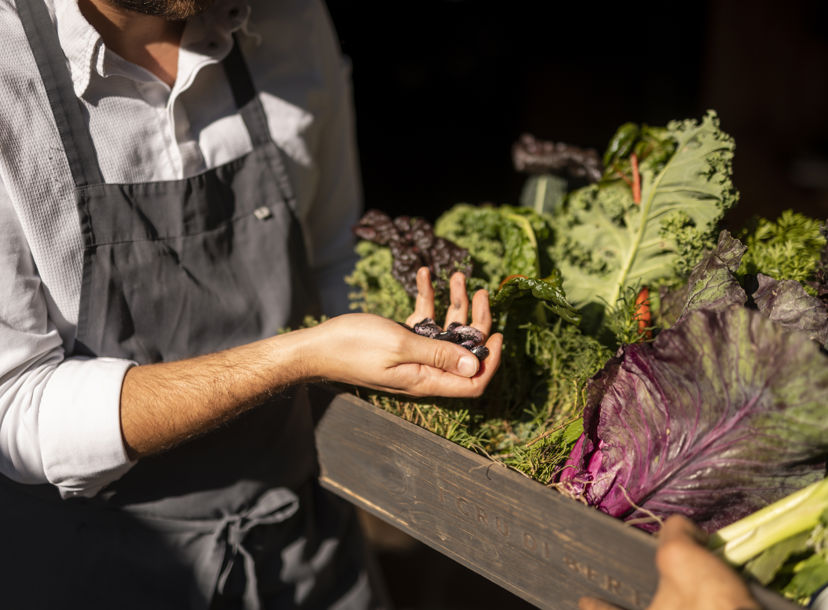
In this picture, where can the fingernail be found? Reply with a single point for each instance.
(467, 366)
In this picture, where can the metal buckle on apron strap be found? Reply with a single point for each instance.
(262, 213)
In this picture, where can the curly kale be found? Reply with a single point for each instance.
(502, 240)
(789, 248)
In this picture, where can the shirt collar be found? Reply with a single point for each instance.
(86, 53)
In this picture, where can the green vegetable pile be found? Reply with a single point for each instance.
(580, 278)
(574, 275)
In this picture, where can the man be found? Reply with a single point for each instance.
(177, 183)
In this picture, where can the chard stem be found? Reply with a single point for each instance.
(636, 179)
(540, 194)
(798, 512)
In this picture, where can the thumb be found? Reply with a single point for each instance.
(446, 356)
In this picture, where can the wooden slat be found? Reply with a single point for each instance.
(545, 548)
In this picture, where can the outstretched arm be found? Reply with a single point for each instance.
(164, 404)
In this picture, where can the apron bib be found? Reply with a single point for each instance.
(172, 270)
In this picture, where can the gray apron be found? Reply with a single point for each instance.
(174, 269)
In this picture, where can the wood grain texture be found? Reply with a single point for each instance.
(543, 547)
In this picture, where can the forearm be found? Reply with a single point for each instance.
(166, 403)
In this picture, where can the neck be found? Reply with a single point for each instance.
(146, 40)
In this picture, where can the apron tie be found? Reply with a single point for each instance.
(274, 506)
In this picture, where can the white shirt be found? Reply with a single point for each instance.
(59, 415)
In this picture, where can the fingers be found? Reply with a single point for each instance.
(455, 383)
(680, 527)
(445, 356)
(458, 308)
(481, 314)
(441, 368)
(683, 562)
(424, 304)
(679, 541)
(489, 365)
(394, 359)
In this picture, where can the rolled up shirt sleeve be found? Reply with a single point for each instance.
(59, 417)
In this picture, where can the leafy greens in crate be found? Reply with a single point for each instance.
(532, 261)
(648, 368)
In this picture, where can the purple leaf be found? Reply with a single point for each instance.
(719, 416)
(786, 303)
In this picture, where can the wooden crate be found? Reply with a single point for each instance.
(543, 547)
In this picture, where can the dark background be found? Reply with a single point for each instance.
(444, 88)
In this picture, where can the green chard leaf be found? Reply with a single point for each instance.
(809, 576)
(609, 243)
(621, 144)
(547, 290)
(765, 566)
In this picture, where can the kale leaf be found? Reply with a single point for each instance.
(609, 242)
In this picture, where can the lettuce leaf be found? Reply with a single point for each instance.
(721, 415)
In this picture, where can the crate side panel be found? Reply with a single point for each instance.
(545, 548)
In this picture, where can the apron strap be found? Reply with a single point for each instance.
(244, 94)
(253, 114)
(66, 108)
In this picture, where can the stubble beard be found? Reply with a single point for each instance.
(171, 10)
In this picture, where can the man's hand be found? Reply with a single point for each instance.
(690, 576)
(166, 403)
(374, 352)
